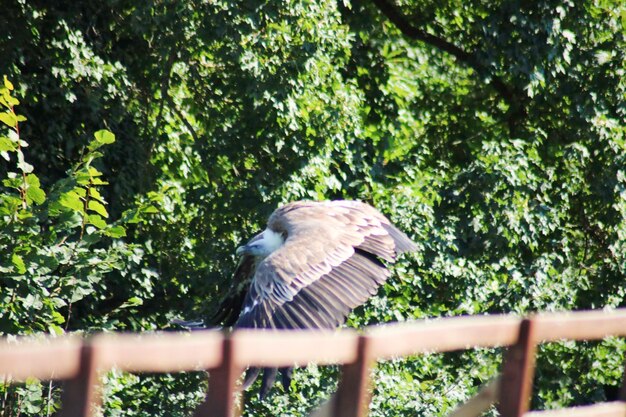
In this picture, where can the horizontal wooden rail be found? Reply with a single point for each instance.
(42, 359)
(161, 352)
(580, 325)
(278, 348)
(611, 409)
(454, 333)
(225, 355)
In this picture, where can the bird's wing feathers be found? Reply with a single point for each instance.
(328, 265)
(231, 304)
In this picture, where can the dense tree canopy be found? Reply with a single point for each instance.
(141, 143)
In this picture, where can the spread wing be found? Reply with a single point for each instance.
(330, 263)
(231, 304)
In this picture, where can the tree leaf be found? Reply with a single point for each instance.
(35, 194)
(33, 180)
(18, 263)
(97, 221)
(115, 231)
(94, 193)
(8, 83)
(22, 164)
(72, 201)
(8, 119)
(55, 330)
(93, 172)
(98, 208)
(104, 137)
(98, 181)
(7, 144)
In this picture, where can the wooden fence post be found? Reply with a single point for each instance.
(220, 399)
(353, 394)
(81, 394)
(518, 370)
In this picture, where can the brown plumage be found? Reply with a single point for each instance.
(314, 263)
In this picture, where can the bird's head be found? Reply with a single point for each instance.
(262, 244)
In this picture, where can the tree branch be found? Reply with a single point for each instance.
(410, 31)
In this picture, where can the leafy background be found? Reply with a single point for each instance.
(141, 143)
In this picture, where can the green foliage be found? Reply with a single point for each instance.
(54, 245)
(169, 395)
(498, 144)
(57, 247)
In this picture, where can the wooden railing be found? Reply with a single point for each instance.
(79, 362)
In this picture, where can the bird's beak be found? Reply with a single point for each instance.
(245, 249)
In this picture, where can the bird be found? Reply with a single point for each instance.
(314, 262)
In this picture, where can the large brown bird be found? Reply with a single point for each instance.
(309, 268)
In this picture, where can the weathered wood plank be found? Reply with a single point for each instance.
(79, 362)
(518, 371)
(580, 325)
(220, 399)
(454, 333)
(611, 409)
(354, 392)
(276, 348)
(81, 394)
(160, 352)
(479, 403)
(43, 359)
